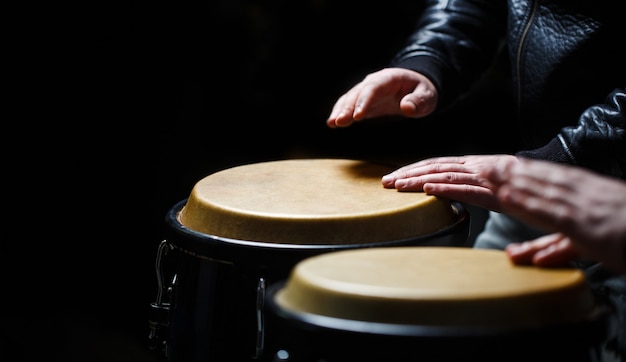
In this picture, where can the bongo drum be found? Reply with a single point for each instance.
(244, 228)
(432, 304)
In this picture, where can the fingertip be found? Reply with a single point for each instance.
(400, 184)
(341, 120)
(388, 178)
(514, 248)
(409, 109)
(517, 254)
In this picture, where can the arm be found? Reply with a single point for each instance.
(586, 210)
(454, 43)
(597, 142)
(461, 178)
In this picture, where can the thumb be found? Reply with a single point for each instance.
(419, 103)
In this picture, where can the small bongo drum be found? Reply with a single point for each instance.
(246, 227)
(432, 304)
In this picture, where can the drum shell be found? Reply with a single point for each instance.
(433, 304)
(219, 284)
(313, 338)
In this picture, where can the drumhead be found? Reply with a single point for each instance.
(311, 201)
(256, 254)
(436, 287)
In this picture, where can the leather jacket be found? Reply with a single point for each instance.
(567, 69)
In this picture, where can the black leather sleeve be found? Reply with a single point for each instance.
(456, 41)
(597, 142)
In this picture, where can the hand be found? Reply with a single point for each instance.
(388, 92)
(553, 250)
(462, 178)
(588, 208)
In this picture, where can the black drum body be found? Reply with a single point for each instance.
(440, 304)
(213, 289)
(305, 337)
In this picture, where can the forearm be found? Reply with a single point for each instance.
(597, 142)
(453, 53)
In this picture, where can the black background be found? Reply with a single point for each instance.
(118, 111)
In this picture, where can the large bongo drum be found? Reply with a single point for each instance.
(432, 304)
(244, 228)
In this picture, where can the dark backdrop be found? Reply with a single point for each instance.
(127, 108)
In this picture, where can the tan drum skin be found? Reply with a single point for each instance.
(311, 201)
(435, 286)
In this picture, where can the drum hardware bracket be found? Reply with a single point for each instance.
(260, 300)
(159, 310)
